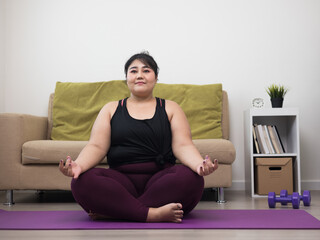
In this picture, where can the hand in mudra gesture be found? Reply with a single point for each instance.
(70, 168)
(207, 167)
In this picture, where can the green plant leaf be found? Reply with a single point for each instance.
(277, 91)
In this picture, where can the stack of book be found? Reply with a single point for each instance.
(266, 139)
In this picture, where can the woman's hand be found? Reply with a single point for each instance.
(70, 168)
(207, 167)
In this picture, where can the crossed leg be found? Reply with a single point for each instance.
(176, 184)
(166, 195)
(109, 193)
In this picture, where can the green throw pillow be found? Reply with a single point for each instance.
(202, 105)
(76, 106)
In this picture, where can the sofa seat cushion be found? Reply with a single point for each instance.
(49, 151)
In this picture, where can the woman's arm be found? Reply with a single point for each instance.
(97, 147)
(182, 145)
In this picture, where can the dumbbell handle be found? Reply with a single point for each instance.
(290, 197)
(283, 199)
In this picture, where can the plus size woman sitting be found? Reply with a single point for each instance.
(142, 137)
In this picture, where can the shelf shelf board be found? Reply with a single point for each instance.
(270, 112)
(275, 155)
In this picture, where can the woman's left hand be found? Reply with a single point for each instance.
(207, 167)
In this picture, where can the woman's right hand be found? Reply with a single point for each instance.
(70, 168)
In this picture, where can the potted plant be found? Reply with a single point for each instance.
(276, 93)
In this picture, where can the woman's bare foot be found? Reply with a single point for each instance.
(168, 213)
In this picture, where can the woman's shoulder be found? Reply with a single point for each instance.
(110, 108)
(172, 108)
(110, 105)
(172, 104)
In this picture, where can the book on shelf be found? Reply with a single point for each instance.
(266, 139)
(282, 150)
(261, 139)
(273, 139)
(256, 148)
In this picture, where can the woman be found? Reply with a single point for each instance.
(141, 136)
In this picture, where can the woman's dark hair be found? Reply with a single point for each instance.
(145, 58)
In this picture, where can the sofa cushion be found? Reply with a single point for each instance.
(76, 106)
(202, 105)
(50, 151)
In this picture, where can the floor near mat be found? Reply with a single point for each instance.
(197, 219)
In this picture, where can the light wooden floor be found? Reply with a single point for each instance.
(29, 200)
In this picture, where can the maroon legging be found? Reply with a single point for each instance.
(127, 192)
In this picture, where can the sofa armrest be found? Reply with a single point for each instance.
(15, 130)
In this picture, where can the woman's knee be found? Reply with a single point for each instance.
(88, 183)
(188, 177)
(84, 180)
(98, 180)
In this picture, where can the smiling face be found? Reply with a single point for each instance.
(141, 79)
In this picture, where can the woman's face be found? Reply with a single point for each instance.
(141, 79)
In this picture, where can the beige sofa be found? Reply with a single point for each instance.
(29, 159)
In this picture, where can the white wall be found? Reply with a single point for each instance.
(2, 54)
(244, 44)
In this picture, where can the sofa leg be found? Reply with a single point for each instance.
(9, 197)
(220, 192)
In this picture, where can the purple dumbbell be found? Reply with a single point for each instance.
(284, 198)
(305, 198)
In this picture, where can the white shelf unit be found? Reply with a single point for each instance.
(287, 122)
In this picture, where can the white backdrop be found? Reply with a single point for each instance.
(244, 44)
(2, 56)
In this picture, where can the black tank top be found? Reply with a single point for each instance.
(136, 141)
